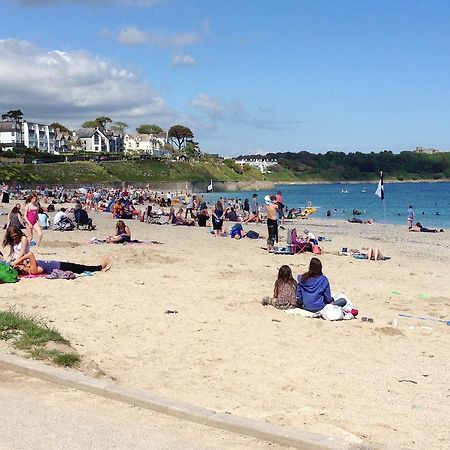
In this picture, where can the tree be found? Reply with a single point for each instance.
(149, 129)
(99, 122)
(192, 150)
(120, 126)
(89, 124)
(179, 135)
(13, 116)
(62, 128)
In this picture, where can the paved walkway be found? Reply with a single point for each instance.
(39, 415)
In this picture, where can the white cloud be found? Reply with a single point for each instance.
(182, 60)
(72, 87)
(217, 108)
(135, 36)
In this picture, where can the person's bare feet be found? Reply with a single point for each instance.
(106, 264)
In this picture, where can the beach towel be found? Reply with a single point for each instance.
(132, 242)
(58, 274)
(29, 275)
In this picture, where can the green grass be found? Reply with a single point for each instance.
(64, 359)
(55, 173)
(145, 171)
(31, 334)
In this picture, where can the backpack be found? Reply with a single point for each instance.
(65, 224)
(7, 273)
(252, 234)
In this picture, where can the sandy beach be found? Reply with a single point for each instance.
(384, 382)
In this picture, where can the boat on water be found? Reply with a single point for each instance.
(363, 190)
(344, 191)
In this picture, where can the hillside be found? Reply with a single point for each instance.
(292, 167)
(138, 171)
(337, 166)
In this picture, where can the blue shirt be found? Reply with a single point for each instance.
(314, 294)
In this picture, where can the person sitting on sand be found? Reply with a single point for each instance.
(60, 215)
(180, 220)
(284, 293)
(28, 264)
(420, 228)
(313, 289)
(237, 232)
(172, 218)
(123, 234)
(231, 215)
(15, 218)
(202, 217)
(44, 219)
(17, 241)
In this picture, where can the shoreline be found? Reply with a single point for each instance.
(386, 180)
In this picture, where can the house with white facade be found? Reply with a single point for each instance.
(144, 144)
(99, 140)
(27, 134)
(262, 164)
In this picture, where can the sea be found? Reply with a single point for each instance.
(430, 201)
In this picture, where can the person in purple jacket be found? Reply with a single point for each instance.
(313, 289)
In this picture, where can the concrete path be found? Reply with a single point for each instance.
(40, 415)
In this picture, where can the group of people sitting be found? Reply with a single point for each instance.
(311, 291)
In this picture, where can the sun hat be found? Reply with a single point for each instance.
(267, 200)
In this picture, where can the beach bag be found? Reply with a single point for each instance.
(316, 250)
(252, 234)
(283, 250)
(7, 273)
(65, 224)
(332, 312)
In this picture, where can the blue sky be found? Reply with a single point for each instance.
(246, 76)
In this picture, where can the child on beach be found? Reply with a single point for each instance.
(32, 219)
(17, 241)
(284, 293)
(123, 234)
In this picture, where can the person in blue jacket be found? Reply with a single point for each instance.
(313, 289)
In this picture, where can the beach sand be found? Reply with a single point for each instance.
(384, 382)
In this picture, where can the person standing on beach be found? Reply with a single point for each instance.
(410, 217)
(255, 210)
(280, 212)
(272, 223)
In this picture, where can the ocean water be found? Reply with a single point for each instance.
(430, 201)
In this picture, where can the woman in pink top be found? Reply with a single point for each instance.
(32, 219)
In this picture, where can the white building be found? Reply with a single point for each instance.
(27, 134)
(144, 144)
(99, 140)
(261, 164)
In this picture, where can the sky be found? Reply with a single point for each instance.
(247, 77)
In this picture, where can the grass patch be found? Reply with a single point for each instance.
(65, 359)
(31, 335)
